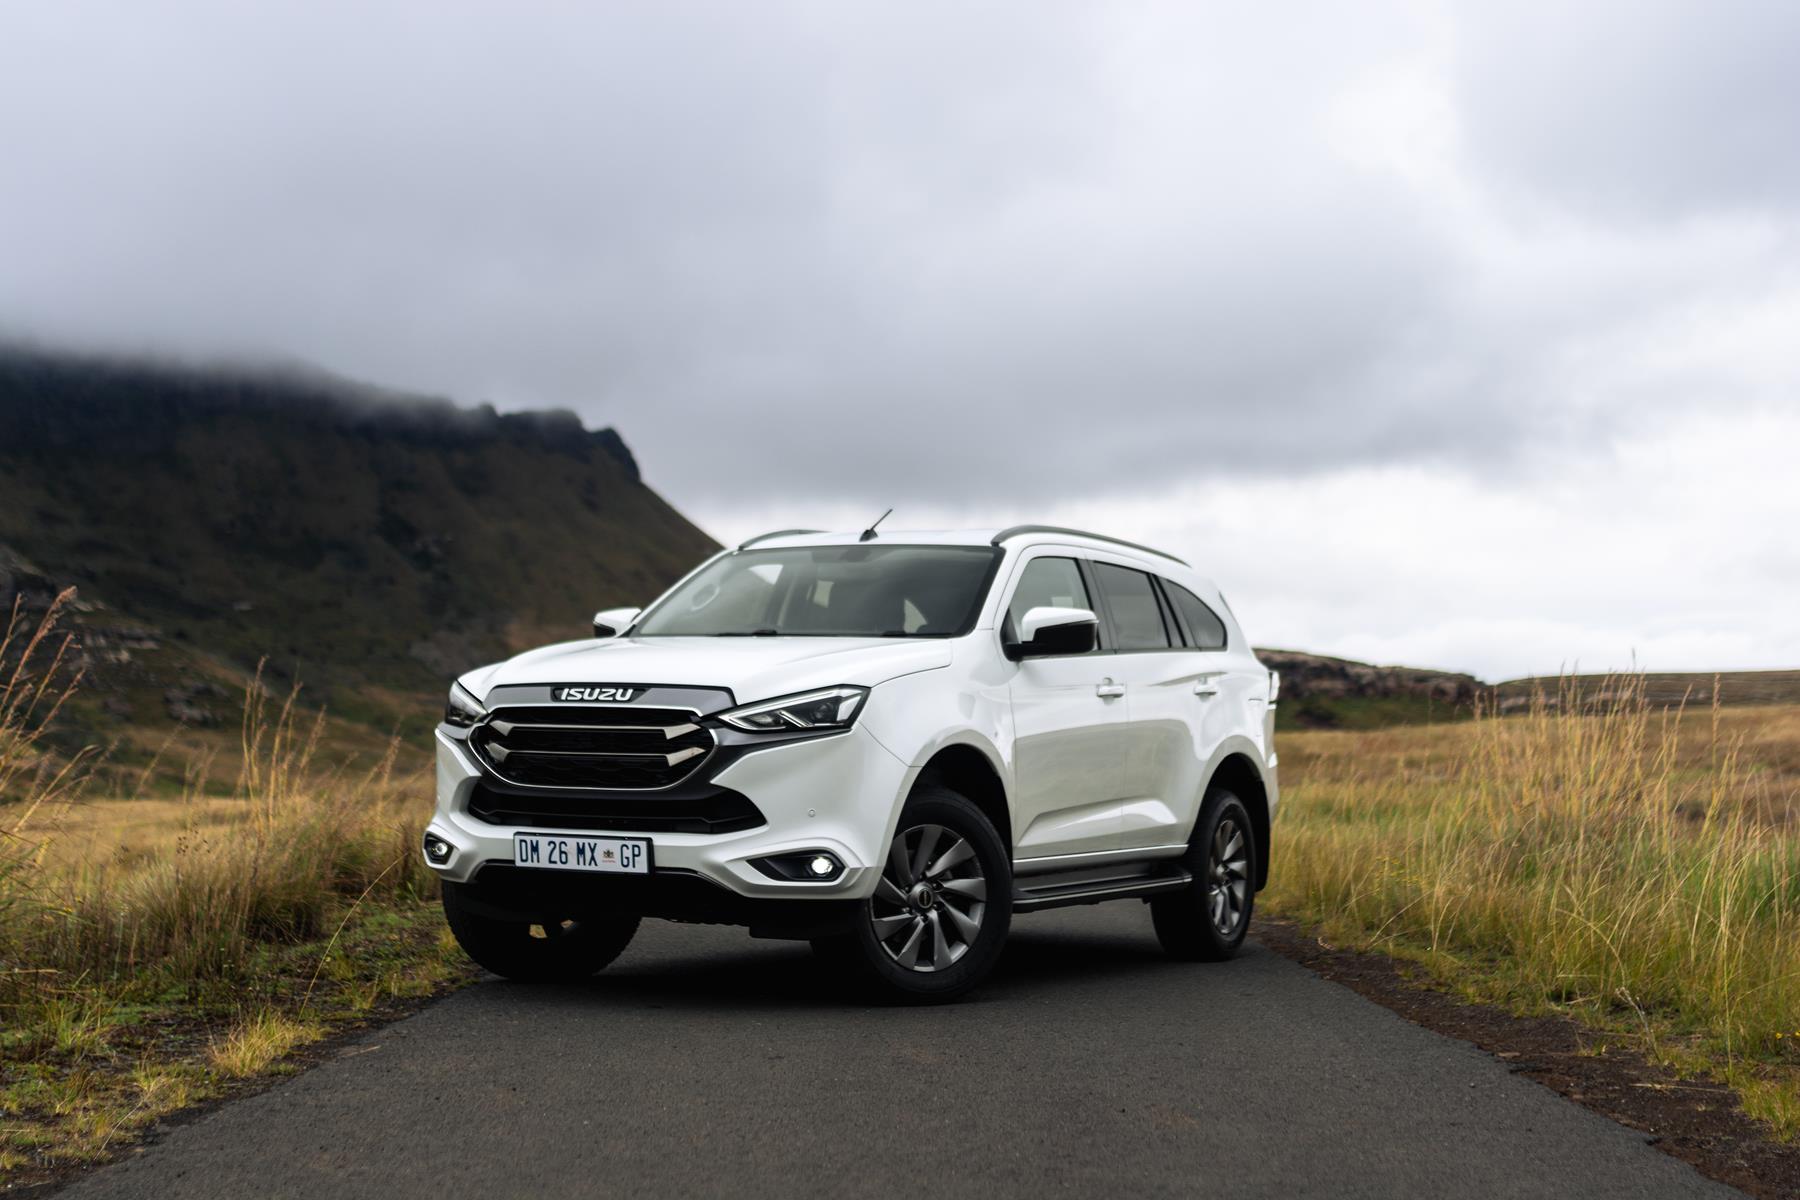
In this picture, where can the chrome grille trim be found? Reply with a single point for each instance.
(502, 728)
(649, 750)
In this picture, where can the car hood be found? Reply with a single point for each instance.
(753, 668)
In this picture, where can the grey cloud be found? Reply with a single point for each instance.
(945, 251)
(1641, 111)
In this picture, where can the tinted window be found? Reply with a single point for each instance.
(1205, 630)
(1055, 582)
(829, 591)
(1136, 616)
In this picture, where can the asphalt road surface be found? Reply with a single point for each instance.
(704, 1063)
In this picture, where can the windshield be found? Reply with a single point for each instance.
(829, 591)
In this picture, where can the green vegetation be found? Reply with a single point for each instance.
(135, 984)
(1364, 712)
(1598, 855)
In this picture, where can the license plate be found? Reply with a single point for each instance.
(559, 852)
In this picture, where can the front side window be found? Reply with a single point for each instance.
(1136, 616)
(1047, 582)
(829, 591)
(1205, 630)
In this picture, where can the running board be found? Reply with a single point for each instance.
(1059, 895)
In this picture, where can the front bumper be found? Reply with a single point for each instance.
(839, 794)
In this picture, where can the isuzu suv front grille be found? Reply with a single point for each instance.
(592, 746)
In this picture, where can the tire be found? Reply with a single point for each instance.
(935, 926)
(1207, 920)
(570, 950)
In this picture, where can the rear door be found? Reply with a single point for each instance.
(1068, 726)
(1163, 758)
(1215, 700)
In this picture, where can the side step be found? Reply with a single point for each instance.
(1051, 894)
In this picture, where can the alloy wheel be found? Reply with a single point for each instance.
(1227, 877)
(928, 908)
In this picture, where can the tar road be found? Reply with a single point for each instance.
(703, 1063)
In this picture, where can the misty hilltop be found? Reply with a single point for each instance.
(54, 401)
(350, 535)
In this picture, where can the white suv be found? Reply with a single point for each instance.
(885, 744)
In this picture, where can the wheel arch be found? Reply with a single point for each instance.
(967, 769)
(1237, 773)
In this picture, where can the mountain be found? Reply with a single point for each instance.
(361, 540)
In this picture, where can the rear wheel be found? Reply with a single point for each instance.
(940, 913)
(1206, 921)
(553, 951)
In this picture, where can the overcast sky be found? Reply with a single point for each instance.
(1458, 334)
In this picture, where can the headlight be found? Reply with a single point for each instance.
(461, 709)
(828, 708)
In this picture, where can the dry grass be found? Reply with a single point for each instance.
(257, 1043)
(274, 863)
(38, 785)
(1635, 866)
(298, 900)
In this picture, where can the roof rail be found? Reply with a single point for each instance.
(1016, 530)
(763, 537)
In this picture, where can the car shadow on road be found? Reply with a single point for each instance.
(787, 976)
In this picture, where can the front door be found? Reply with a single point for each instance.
(1068, 725)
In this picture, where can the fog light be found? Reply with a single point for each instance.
(437, 849)
(808, 866)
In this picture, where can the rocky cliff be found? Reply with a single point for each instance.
(353, 537)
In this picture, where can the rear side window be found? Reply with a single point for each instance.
(1205, 630)
(1136, 616)
(1047, 582)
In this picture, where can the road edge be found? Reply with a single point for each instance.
(1695, 1120)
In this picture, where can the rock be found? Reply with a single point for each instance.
(183, 702)
(23, 583)
(186, 712)
(1316, 677)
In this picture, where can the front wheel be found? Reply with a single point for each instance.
(1206, 921)
(940, 913)
(552, 952)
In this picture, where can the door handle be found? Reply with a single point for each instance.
(1106, 689)
(1206, 687)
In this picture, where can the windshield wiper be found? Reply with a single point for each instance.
(749, 633)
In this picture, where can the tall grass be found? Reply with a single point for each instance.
(34, 786)
(132, 984)
(299, 846)
(1585, 855)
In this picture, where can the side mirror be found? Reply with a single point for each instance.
(613, 621)
(1045, 631)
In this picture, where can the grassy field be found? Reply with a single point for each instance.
(155, 952)
(1602, 856)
